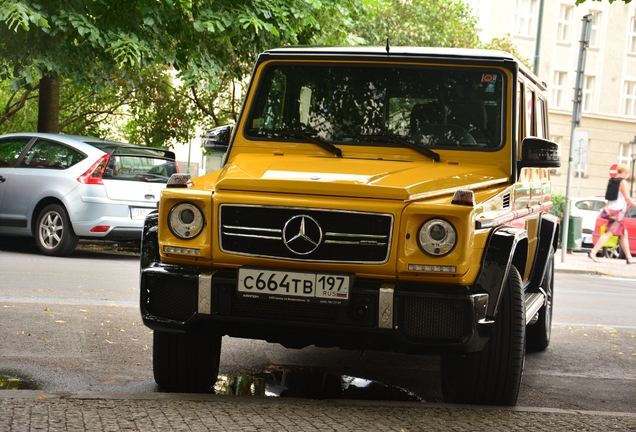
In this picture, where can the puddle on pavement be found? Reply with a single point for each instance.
(13, 383)
(309, 385)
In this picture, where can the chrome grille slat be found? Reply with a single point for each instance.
(345, 236)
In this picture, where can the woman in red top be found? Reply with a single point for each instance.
(616, 209)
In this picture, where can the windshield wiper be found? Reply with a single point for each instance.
(395, 138)
(304, 135)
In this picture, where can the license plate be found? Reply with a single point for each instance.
(296, 286)
(587, 238)
(139, 212)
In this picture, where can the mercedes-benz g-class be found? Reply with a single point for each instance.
(388, 199)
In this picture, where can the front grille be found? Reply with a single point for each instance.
(434, 318)
(164, 300)
(305, 234)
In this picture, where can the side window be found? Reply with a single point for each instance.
(529, 111)
(520, 116)
(598, 206)
(540, 117)
(46, 154)
(10, 150)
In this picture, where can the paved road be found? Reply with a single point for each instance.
(105, 344)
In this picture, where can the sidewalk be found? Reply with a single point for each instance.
(579, 262)
(30, 411)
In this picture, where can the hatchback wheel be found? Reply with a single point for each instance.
(54, 233)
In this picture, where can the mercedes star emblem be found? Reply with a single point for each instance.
(302, 234)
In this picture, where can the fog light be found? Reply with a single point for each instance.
(184, 251)
(432, 268)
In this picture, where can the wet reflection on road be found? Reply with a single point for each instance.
(13, 383)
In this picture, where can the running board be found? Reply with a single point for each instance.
(534, 301)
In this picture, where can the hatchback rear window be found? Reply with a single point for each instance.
(139, 168)
(129, 162)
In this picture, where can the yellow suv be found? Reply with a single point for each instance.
(370, 198)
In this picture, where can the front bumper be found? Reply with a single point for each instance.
(410, 318)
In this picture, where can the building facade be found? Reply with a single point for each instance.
(607, 131)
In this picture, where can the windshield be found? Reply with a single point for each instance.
(430, 106)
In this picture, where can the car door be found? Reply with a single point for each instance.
(41, 173)
(10, 150)
(630, 225)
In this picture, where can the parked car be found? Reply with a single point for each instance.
(612, 248)
(60, 188)
(588, 209)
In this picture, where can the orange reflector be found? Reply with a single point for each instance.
(463, 197)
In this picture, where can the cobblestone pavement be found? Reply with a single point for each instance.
(33, 411)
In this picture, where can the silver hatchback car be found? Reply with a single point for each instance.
(60, 188)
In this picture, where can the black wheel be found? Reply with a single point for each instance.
(53, 232)
(186, 363)
(538, 334)
(613, 252)
(492, 376)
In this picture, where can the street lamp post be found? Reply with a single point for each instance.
(632, 144)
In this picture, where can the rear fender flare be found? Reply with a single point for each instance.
(548, 240)
(506, 247)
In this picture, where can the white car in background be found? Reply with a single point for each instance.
(588, 208)
(60, 188)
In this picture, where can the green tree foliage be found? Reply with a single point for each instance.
(442, 23)
(505, 44)
(112, 59)
(90, 41)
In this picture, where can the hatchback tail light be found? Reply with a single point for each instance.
(94, 174)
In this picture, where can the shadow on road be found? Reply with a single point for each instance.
(97, 249)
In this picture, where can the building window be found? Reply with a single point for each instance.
(563, 28)
(595, 33)
(632, 37)
(588, 92)
(625, 154)
(524, 17)
(629, 99)
(558, 89)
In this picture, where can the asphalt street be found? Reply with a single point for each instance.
(63, 403)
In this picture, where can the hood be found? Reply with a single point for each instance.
(400, 180)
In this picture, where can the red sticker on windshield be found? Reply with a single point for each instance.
(488, 78)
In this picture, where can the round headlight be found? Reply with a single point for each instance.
(186, 221)
(437, 237)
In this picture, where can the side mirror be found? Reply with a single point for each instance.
(539, 153)
(217, 139)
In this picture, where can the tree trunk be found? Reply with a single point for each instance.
(49, 105)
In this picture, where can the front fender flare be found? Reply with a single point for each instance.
(506, 246)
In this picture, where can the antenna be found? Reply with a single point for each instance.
(387, 46)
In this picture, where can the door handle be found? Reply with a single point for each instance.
(2, 179)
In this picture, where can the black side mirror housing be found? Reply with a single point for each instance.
(539, 153)
(217, 139)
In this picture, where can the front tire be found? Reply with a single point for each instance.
(492, 376)
(53, 232)
(186, 363)
(538, 334)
